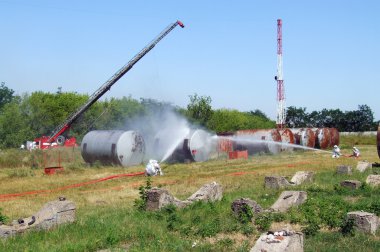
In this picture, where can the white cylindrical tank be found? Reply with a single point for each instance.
(117, 147)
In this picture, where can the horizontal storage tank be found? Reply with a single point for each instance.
(202, 145)
(322, 138)
(287, 138)
(199, 145)
(113, 147)
(304, 137)
(334, 135)
(257, 141)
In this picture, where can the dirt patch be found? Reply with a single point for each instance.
(277, 226)
(238, 238)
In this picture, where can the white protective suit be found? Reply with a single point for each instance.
(336, 152)
(153, 168)
(355, 152)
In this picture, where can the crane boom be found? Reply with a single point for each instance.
(108, 84)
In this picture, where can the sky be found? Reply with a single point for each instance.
(228, 51)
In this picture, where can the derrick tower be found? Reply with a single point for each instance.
(281, 114)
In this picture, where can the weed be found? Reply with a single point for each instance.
(247, 229)
(374, 207)
(245, 214)
(244, 247)
(172, 220)
(21, 173)
(264, 221)
(225, 244)
(311, 229)
(209, 228)
(347, 227)
(3, 218)
(140, 203)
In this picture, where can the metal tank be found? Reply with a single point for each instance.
(258, 141)
(198, 146)
(322, 138)
(334, 135)
(113, 147)
(287, 138)
(304, 137)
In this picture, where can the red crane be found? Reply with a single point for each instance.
(56, 138)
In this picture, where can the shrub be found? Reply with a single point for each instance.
(264, 221)
(347, 227)
(3, 218)
(140, 203)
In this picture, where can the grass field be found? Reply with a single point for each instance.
(107, 218)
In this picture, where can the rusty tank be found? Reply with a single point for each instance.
(304, 137)
(334, 137)
(322, 138)
(258, 141)
(287, 138)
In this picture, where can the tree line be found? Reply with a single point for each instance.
(349, 121)
(28, 116)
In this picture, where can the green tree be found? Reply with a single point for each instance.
(14, 126)
(296, 117)
(225, 120)
(359, 120)
(199, 109)
(6, 95)
(259, 113)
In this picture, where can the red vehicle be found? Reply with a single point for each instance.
(57, 137)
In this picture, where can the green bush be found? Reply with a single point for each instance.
(347, 227)
(3, 218)
(140, 203)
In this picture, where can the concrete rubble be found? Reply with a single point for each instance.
(276, 182)
(344, 169)
(302, 177)
(352, 184)
(52, 214)
(289, 199)
(158, 198)
(240, 205)
(364, 222)
(373, 180)
(279, 241)
(362, 166)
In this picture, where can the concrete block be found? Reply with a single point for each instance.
(158, 198)
(362, 166)
(276, 182)
(288, 199)
(373, 180)
(239, 205)
(52, 214)
(364, 222)
(302, 177)
(344, 169)
(352, 184)
(281, 241)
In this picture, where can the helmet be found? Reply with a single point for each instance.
(335, 146)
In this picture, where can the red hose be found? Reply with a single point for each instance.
(12, 195)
